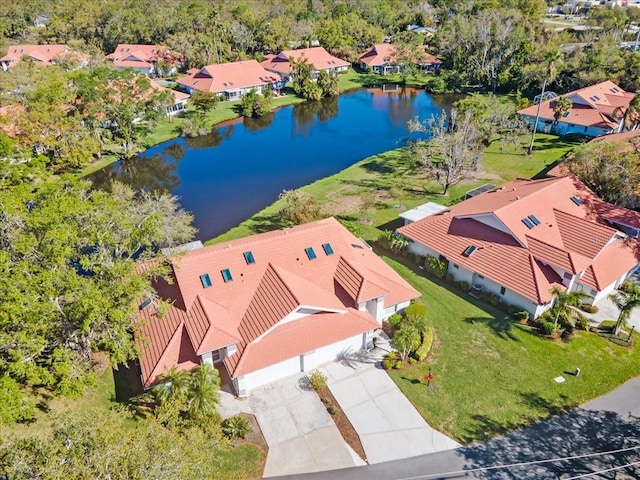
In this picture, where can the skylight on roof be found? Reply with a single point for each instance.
(310, 253)
(206, 280)
(528, 223)
(226, 275)
(248, 257)
(327, 248)
(576, 200)
(469, 250)
(534, 219)
(145, 304)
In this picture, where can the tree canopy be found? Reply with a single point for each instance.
(69, 279)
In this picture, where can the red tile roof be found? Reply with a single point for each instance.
(386, 54)
(137, 53)
(592, 106)
(45, 54)
(317, 56)
(224, 77)
(248, 310)
(570, 237)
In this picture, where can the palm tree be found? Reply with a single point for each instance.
(562, 105)
(203, 394)
(173, 385)
(630, 116)
(551, 58)
(626, 302)
(406, 339)
(564, 303)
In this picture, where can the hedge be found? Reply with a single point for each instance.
(427, 341)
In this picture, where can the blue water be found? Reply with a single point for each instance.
(241, 167)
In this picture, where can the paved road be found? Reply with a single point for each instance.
(609, 423)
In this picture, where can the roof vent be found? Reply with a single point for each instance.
(145, 304)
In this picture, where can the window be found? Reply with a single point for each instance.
(310, 253)
(248, 257)
(502, 290)
(576, 200)
(469, 250)
(206, 281)
(215, 355)
(327, 248)
(567, 275)
(528, 223)
(455, 266)
(226, 275)
(480, 277)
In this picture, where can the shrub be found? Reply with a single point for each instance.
(427, 341)
(464, 286)
(582, 323)
(385, 238)
(389, 360)
(318, 380)
(235, 427)
(419, 259)
(624, 286)
(395, 319)
(522, 316)
(435, 266)
(448, 278)
(415, 311)
(412, 360)
(512, 310)
(586, 307)
(492, 299)
(502, 306)
(399, 364)
(547, 327)
(333, 410)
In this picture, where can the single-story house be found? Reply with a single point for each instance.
(596, 110)
(519, 240)
(233, 79)
(180, 100)
(41, 54)
(317, 56)
(383, 59)
(629, 140)
(270, 305)
(146, 59)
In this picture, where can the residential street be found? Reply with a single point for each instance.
(611, 422)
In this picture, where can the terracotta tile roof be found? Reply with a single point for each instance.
(386, 53)
(592, 106)
(137, 53)
(568, 236)
(270, 276)
(224, 77)
(356, 285)
(45, 54)
(317, 329)
(317, 56)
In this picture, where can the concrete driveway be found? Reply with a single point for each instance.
(299, 431)
(609, 311)
(389, 426)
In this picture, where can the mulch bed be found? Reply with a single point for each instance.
(342, 422)
(255, 434)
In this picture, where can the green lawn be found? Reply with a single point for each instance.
(493, 375)
(379, 187)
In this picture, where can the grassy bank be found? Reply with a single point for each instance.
(493, 375)
(372, 192)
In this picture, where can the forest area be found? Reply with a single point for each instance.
(69, 254)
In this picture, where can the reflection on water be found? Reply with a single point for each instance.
(243, 164)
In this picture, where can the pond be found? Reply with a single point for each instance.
(243, 165)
